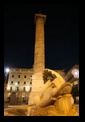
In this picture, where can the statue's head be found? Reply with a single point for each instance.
(59, 85)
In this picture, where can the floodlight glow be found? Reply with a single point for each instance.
(8, 88)
(15, 83)
(14, 88)
(75, 73)
(27, 88)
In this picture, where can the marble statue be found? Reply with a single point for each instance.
(55, 99)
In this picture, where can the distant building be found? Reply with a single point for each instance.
(20, 79)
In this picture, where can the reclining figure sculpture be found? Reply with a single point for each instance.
(55, 94)
(52, 89)
(55, 99)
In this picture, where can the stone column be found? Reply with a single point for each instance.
(39, 52)
(39, 57)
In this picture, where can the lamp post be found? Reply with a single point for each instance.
(75, 73)
(7, 70)
(75, 89)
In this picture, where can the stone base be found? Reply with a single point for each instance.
(31, 96)
(37, 84)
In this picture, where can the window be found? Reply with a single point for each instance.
(11, 82)
(30, 82)
(30, 79)
(25, 76)
(11, 88)
(24, 82)
(23, 88)
(18, 76)
(30, 88)
(17, 88)
(12, 76)
(18, 82)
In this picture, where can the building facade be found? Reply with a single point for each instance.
(20, 79)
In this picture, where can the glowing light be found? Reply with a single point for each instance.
(15, 83)
(8, 88)
(7, 70)
(23, 95)
(75, 73)
(14, 88)
(27, 88)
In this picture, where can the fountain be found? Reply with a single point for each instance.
(55, 99)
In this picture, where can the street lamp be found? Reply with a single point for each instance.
(75, 73)
(7, 71)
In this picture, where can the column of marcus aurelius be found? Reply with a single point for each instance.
(39, 57)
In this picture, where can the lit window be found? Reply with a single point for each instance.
(16, 83)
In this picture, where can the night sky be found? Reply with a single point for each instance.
(61, 35)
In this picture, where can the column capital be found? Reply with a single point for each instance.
(39, 16)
